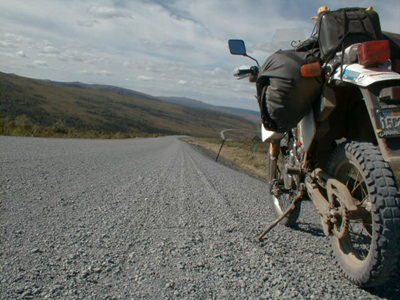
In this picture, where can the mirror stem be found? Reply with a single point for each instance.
(258, 65)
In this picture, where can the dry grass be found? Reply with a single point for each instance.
(250, 155)
(247, 155)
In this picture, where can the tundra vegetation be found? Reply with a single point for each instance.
(31, 107)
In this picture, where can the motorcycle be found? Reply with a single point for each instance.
(341, 155)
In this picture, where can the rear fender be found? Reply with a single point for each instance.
(364, 76)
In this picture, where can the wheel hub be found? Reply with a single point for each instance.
(339, 219)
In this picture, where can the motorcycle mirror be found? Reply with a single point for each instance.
(237, 47)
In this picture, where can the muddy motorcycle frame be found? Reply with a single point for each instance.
(341, 156)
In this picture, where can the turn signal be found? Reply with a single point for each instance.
(374, 53)
(311, 70)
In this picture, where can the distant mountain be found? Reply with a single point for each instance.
(251, 115)
(107, 109)
(108, 88)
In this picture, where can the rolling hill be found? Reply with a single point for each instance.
(251, 115)
(107, 109)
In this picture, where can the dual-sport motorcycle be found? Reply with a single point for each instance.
(343, 147)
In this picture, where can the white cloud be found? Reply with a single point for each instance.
(21, 54)
(6, 54)
(144, 78)
(13, 37)
(103, 73)
(6, 45)
(50, 50)
(88, 23)
(109, 12)
(155, 45)
(39, 63)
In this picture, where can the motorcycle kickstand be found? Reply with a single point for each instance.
(276, 222)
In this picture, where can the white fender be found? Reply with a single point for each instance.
(306, 127)
(364, 76)
(267, 136)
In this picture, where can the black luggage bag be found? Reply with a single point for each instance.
(344, 27)
(394, 41)
(285, 96)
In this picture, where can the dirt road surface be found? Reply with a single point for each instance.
(150, 219)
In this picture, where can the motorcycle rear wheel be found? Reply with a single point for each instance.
(277, 177)
(369, 249)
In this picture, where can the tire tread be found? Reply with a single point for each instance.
(382, 187)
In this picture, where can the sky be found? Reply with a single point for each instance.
(159, 47)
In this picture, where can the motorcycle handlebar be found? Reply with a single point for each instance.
(240, 72)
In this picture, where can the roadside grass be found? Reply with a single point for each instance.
(247, 155)
(23, 127)
(48, 132)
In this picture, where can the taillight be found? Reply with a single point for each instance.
(374, 52)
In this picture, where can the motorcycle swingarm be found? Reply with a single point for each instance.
(337, 194)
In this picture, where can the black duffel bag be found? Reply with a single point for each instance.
(284, 96)
(394, 41)
(344, 27)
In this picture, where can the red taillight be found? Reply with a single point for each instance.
(374, 52)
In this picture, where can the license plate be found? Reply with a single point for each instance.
(389, 123)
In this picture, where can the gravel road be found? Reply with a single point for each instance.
(150, 219)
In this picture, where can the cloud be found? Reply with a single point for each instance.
(103, 73)
(50, 50)
(217, 72)
(21, 54)
(88, 23)
(39, 63)
(13, 37)
(109, 12)
(182, 43)
(144, 78)
(6, 54)
(167, 45)
(95, 72)
(6, 45)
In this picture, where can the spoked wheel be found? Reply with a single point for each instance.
(368, 246)
(282, 188)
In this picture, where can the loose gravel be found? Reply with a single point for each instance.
(151, 219)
